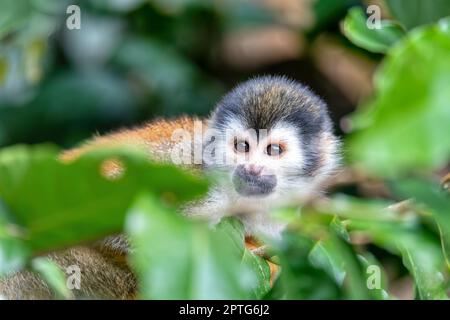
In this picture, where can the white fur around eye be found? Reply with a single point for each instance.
(283, 133)
(288, 137)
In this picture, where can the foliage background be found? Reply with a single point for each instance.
(134, 60)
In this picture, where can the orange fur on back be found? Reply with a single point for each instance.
(156, 137)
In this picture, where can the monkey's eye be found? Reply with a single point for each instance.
(241, 146)
(274, 149)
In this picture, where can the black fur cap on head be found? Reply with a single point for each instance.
(262, 102)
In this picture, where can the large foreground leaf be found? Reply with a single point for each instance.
(436, 201)
(180, 259)
(406, 125)
(421, 255)
(339, 260)
(62, 204)
(302, 277)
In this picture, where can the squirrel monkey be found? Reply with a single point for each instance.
(271, 139)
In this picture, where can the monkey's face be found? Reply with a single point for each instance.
(272, 137)
(260, 162)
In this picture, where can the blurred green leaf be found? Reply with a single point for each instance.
(123, 6)
(177, 6)
(261, 269)
(420, 253)
(27, 28)
(406, 125)
(321, 257)
(240, 14)
(175, 82)
(330, 11)
(234, 229)
(338, 259)
(349, 207)
(13, 252)
(429, 281)
(53, 276)
(50, 7)
(176, 258)
(402, 236)
(372, 266)
(413, 13)
(13, 15)
(436, 200)
(63, 204)
(3, 69)
(375, 40)
(301, 277)
(72, 104)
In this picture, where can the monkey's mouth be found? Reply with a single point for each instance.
(248, 185)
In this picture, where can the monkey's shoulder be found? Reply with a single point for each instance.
(157, 137)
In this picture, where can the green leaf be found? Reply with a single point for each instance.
(13, 15)
(96, 98)
(400, 234)
(168, 75)
(177, 258)
(413, 13)
(120, 7)
(436, 200)
(53, 276)
(338, 259)
(330, 11)
(176, 7)
(373, 268)
(3, 69)
(421, 255)
(348, 207)
(423, 266)
(301, 277)
(238, 14)
(234, 229)
(62, 204)
(375, 40)
(321, 256)
(261, 269)
(406, 125)
(13, 252)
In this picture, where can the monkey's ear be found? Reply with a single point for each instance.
(209, 122)
(329, 159)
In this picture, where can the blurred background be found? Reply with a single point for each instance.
(133, 60)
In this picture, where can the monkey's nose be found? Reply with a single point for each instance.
(253, 184)
(253, 169)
